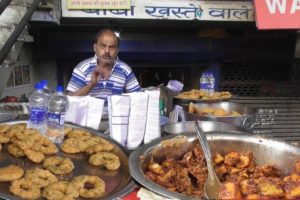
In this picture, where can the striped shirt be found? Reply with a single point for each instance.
(121, 79)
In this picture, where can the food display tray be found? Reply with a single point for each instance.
(117, 183)
(265, 151)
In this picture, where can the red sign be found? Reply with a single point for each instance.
(277, 14)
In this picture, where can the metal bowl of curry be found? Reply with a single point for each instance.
(277, 154)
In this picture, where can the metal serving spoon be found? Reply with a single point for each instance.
(212, 184)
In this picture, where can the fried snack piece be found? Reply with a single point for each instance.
(4, 138)
(4, 128)
(248, 187)
(34, 156)
(232, 158)
(270, 187)
(67, 130)
(97, 191)
(24, 188)
(47, 146)
(109, 160)
(73, 145)
(292, 185)
(78, 133)
(10, 173)
(61, 190)
(207, 111)
(15, 150)
(101, 147)
(58, 165)
(218, 158)
(220, 112)
(229, 190)
(16, 128)
(191, 108)
(40, 177)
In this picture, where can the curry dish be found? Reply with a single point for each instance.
(240, 177)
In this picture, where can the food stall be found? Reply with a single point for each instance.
(161, 41)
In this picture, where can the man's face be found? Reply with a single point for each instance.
(106, 48)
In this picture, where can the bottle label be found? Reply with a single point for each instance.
(204, 86)
(37, 115)
(55, 119)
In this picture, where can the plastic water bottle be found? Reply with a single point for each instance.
(46, 89)
(37, 109)
(204, 82)
(57, 106)
(211, 83)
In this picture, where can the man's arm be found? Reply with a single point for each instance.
(87, 88)
(83, 91)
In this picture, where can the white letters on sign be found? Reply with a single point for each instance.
(281, 5)
(295, 6)
(273, 4)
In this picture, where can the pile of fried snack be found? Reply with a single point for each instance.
(49, 182)
(203, 95)
(209, 111)
(240, 177)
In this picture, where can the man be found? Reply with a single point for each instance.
(104, 74)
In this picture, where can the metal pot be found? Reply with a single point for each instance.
(246, 119)
(207, 126)
(265, 151)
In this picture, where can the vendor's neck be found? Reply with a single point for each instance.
(106, 67)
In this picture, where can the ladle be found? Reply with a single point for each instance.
(212, 185)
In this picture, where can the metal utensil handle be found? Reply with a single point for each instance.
(205, 145)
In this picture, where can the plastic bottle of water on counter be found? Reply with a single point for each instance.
(46, 88)
(204, 82)
(57, 106)
(211, 83)
(37, 109)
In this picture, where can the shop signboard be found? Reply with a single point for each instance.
(241, 11)
(277, 14)
(97, 4)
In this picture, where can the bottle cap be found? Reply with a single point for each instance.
(38, 86)
(59, 88)
(44, 82)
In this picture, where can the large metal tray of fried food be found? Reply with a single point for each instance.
(198, 96)
(117, 183)
(279, 154)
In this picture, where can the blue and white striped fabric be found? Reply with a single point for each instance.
(121, 80)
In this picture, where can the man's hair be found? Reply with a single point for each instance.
(107, 30)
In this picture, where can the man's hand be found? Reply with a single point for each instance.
(96, 75)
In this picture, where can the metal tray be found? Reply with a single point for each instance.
(5, 116)
(186, 101)
(246, 119)
(265, 151)
(118, 183)
(207, 126)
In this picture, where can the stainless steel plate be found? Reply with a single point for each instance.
(118, 183)
(265, 151)
(207, 126)
(245, 120)
(5, 116)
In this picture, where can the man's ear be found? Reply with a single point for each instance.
(95, 47)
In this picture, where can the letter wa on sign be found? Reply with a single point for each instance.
(277, 14)
(282, 6)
